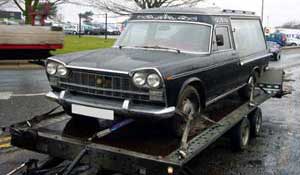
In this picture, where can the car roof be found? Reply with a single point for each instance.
(199, 11)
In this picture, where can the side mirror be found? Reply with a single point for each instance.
(220, 40)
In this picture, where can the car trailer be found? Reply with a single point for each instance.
(132, 147)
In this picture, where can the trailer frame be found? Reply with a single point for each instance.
(100, 156)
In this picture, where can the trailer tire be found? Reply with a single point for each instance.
(255, 118)
(240, 135)
(245, 92)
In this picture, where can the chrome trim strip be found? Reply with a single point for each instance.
(224, 95)
(97, 69)
(56, 60)
(201, 13)
(246, 61)
(62, 95)
(171, 21)
(86, 68)
(126, 104)
(164, 111)
(52, 96)
(166, 21)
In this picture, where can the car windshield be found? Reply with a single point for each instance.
(176, 36)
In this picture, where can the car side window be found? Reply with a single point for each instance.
(222, 38)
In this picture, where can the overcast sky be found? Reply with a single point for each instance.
(277, 12)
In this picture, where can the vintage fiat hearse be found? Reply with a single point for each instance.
(166, 60)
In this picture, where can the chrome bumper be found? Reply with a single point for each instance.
(118, 106)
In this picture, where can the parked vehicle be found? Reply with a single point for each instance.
(274, 48)
(113, 30)
(279, 38)
(165, 61)
(72, 29)
(293, 41)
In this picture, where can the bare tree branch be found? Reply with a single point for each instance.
(4, 2)
(19, 6)
(125, 7)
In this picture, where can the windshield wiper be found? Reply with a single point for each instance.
(160, 47)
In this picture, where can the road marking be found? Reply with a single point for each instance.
(5, 142)
(5, 139)
(5, 95)
(28, 95)
(5, 145)
(8, 95)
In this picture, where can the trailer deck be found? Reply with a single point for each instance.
(139, 148)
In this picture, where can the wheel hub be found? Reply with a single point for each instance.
(188, 107)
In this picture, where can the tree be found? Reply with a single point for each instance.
(291, 25)
(53, 11)
(125, 7)
(87, 16)
(28, 6)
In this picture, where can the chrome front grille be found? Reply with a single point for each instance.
(103, 84)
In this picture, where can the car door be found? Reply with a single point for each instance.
(227, 61)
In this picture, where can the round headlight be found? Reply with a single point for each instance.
(62, 70)
(51, 68)
(153, 80)
(139, 79)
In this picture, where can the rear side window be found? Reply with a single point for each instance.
(248, 36)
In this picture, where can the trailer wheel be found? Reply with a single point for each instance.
(240, 135)
(188, 103)
(255, 119)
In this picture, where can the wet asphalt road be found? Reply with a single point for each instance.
(276, 151)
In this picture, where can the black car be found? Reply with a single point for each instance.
(166, 60)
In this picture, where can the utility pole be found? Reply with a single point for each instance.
(79, 34)
(262, 10)
(105, 26)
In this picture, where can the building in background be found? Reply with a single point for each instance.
(10, 15)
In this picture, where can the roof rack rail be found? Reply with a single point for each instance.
(238, 12)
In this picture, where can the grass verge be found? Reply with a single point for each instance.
(76, 44)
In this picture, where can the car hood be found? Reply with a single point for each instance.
(127, 60)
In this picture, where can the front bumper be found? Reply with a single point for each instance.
(125, 107)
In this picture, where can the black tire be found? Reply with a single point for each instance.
(255, 119)
(245, 92)
(240, 135)
(293, 44)
(278, 56)
(188, 102)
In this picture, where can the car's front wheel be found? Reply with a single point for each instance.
(188, 104)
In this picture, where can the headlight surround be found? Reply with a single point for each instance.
(62, 70)
(52, 68)
(153, 80)
(139, 79)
